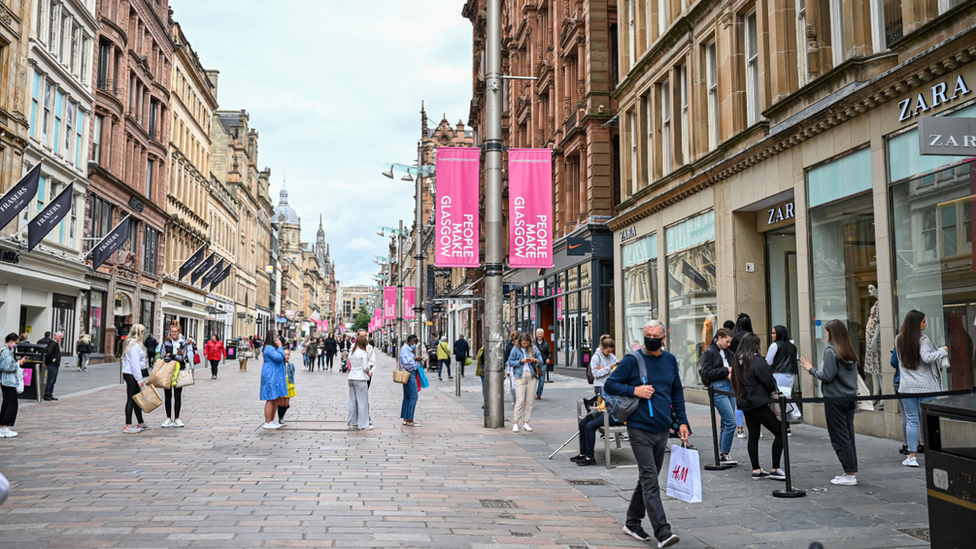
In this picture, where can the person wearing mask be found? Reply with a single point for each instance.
(83, 348)
(312, 351)
(716, 366)
(920, 365)
(331, 347)
(175, 349)
(461, 352)
(152, 344)
(215, 352)
(407, 361)
(753, 382)
(838, 372)
(9, 380)
(52, 362)
(133, 361)
(602, 363)
(546, 352)
(290, 381)
(443, 359)
(523, 360)
(512, 342)
(360, 371)
(660, 390)
(781, 357)
(274, 379)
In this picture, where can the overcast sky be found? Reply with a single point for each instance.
(334, 89)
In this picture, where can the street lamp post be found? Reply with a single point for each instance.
(418, 259)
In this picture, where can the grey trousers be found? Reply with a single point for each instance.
(358, 404)
(649, 452)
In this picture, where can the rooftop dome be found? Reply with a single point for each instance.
(283, 213)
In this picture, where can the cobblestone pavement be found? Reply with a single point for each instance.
(221, 481)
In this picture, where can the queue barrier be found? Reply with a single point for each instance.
(791, 492)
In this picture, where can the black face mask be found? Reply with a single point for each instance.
(653, 344)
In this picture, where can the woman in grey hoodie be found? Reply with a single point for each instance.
(839, 376)
(920, 365)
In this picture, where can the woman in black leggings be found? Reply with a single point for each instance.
(175, 349)
(133, 361)
(753, 381)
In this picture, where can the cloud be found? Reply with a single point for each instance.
(335, 92)
(359, 243)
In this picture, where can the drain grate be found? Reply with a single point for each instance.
(919, 533)
(587, 482)
(579, 547)
(522, 534)
(499, 504)
(506, 516)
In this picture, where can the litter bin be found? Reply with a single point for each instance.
(33, 371)
(231, 349)
(950, 469)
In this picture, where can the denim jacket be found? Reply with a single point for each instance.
(8, 367)
(515, 360)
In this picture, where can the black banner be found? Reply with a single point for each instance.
(708, 264)
(191, 263)
(695, 276)
(49, 218)
(223, 276)
(212, 274)
(675, 284)
(203, 268)
(112, 241)
(19, 196)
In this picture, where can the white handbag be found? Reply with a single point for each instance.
(20, 380)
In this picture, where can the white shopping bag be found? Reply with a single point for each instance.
(684, 475)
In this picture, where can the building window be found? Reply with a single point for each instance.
(946, 5)
(100, 219)
(35, 99)
(58, 105)
(752, 69)
(150, 245)
(69, 116)
(801, 42)
(837, 31)
(662, 17)
(63, 47)
(41, 10)
(97, 139)
(148, 315)
(150, 164)
(83, 63)
(52, 26)
(75, 33)
(632, 122)
(95, 318)
(73, 223)
(48, 99)
(665, 128)
(649, 146)
(711, 68)
(632, 38)
(683, 130)
(153, 115)
(78, 141)
(639, 263)
(104, 52)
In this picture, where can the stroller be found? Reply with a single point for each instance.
(344, 365)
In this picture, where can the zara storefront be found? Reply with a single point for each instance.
(832, 215)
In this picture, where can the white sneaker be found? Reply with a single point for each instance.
(525, 427)
(272, 425)
(168, 423)
(132, 429)
(741, 434)
(178, 423)
(3, 433)
(515, 428)
(10, 433)
(845, 480)
(276, 424)
(910, 462)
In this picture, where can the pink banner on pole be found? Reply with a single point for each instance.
(409, 300)
(530, 208)
(456, 224)
(389, 302)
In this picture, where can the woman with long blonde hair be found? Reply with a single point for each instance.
(133, 361)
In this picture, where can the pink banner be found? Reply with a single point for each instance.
(530, 208)
(409, 300)
(457, 207)
(559, 304)
(389, 302)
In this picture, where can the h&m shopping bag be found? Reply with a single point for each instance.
(684, 475)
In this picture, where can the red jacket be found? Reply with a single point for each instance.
(214, 350)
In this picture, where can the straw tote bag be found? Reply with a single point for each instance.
(400, 376)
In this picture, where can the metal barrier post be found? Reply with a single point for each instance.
(718, 466)
(789, 492)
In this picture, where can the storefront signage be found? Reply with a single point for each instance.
(629, 232)
(914, 106)
(530, 208)
(137, 204)
(9, 256)
(776, 216)
(19, 196)
(945, 136)
(577, 246)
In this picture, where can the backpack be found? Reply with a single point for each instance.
(622, 407)
(701, 370)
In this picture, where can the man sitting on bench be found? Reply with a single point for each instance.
(588, 426)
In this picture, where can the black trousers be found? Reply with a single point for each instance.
(213, 367)
(328, 360)
(177, 396)
(763, 416)
(52, 378)
(131, 390)
(8, 410)
(840, 427)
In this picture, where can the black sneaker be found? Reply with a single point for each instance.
(668, 541)
(725, 459)
(580, 457)
(637, 533)
(586, 461)
(760, 475)
(904, 450)
(919, 450)
(778, 474)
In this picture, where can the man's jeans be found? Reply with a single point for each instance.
(542, 384)
(52, 377)
(725, 405)
(648, 450)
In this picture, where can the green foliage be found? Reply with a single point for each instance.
(362, 320)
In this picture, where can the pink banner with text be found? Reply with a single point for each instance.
(409, 300)
(456, 223)
(389, 302)
(530, 208)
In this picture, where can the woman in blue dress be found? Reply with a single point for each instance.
(274, 381)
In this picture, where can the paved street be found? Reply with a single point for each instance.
(223, 482)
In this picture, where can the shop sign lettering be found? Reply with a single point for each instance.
(946, 136)
(629, 232)
(913, 106)
(781, 213)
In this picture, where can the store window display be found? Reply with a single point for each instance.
(639, 261)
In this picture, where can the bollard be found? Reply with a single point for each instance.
(718, 466)
(457, 380)
(789, 492)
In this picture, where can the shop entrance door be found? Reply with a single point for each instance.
(782, 304)
(547, 324)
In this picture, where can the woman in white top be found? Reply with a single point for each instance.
(133, 361)
(359, 374)
(602, 363)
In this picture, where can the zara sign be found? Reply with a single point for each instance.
(945, 136)
(939, 96)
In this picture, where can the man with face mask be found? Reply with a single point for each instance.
(660, 390)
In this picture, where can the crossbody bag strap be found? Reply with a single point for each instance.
(641, 365)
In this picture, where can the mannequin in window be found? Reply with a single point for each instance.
(872, 350)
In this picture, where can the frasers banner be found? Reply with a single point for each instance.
(456, 223)
(389, 302)
(530, 208)
(409, 300)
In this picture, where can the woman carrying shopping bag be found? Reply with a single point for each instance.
(175, 349)
(133, 360)
(10, 379)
